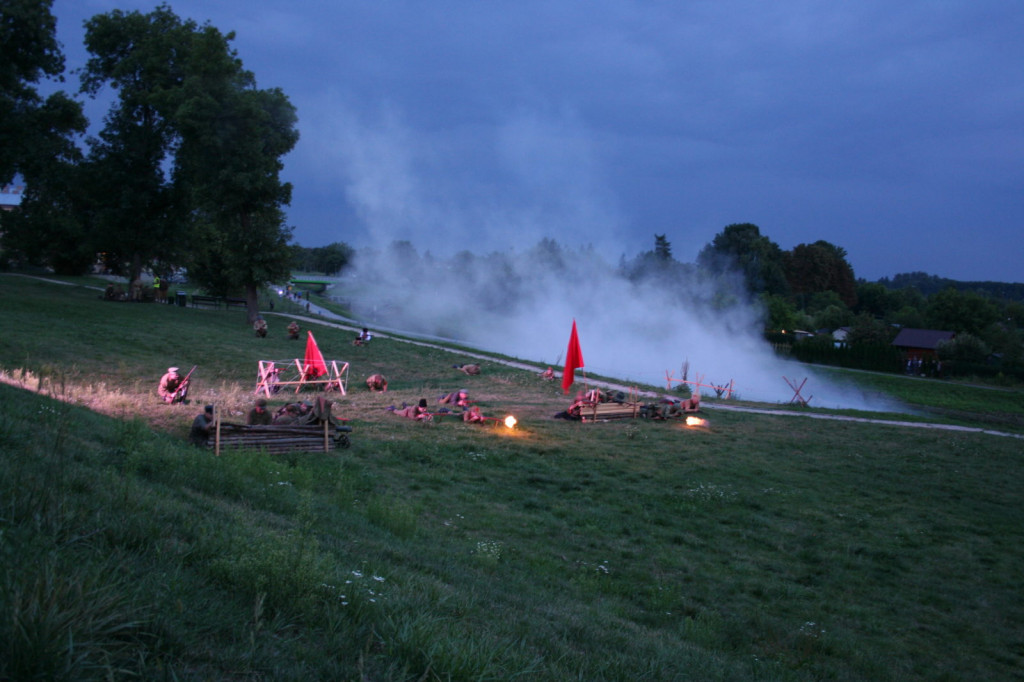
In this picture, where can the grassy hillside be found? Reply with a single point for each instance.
(758, 548)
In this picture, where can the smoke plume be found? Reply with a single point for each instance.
(471, 258)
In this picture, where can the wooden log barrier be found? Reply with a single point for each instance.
(277, 439)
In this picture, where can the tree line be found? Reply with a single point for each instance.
(184, 172)
(812, 287)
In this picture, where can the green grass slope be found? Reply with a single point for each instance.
(757, 548)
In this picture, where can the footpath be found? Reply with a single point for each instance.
(352, 325)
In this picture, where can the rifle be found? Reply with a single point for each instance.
(181, 392)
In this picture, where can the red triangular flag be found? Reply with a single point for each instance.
(573, 360)
(313, 365)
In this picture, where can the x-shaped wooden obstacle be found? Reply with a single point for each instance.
(797, 398)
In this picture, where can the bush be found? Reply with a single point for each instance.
(963, 348)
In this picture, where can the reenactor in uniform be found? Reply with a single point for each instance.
(419, 411)
(459, 398)
(199, 434)
(473, 416)
(170, 382)
(258, 415)
(289, 414)
(377, 382)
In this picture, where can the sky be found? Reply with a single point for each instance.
(892, 130)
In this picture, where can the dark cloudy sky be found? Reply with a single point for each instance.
(892, 129)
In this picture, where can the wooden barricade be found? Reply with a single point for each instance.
(720, 390)
(600, 411)
(274, 439)
(323, 434)
(273, 375)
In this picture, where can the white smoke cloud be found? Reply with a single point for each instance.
(522, 306)
(461, 259)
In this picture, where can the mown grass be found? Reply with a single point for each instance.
(758, 548)
(954, 401)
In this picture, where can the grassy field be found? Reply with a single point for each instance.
(757, 548)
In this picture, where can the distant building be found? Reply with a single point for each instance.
(921, 344)
(10, 197)
(839, 335)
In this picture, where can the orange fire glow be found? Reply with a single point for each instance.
(510, 421)
(696, 421)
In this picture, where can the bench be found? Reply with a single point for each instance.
(236, 303)
(204, 301)
(596, 411)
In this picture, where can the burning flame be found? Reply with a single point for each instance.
(696, 421)
(510, 421)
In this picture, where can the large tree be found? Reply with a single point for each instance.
(742, 247)
(818, 267)
(52, 225)
(33, 131)
(134, 202)
(233, 137)
(190, 154)
(37, 141)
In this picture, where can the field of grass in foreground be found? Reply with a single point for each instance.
(759, 548)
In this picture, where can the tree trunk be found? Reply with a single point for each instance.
(252, 303)
(134, 268)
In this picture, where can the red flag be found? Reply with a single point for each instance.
(573, 360)
(314, 364)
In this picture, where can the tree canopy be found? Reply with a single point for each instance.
(136, 205)
(758, 258)
(190, 156)
(33, 131)
(37, 141)
(820, 267)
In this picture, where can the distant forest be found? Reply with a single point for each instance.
(931, 284)
(810, 289)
